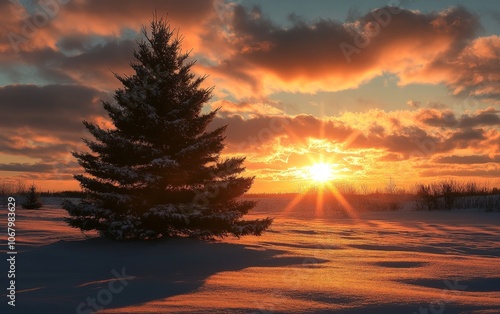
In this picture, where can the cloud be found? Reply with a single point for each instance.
(247, 54)
(249, 134)
(84, 42)
(391, 157)
(488, 117)
(413, 104)
(45, 122)
(51, 109)
(83, 19)
(437, 118)
(492, 173)
(355, 143)
(438, 47)
(403, 137)
(39, 167)
(466, 136)
(250, 106)
(25, 167)
(467, 160)
(447, 118)
(475, 72)
(27, 144)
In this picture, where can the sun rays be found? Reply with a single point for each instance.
(321, 172)
(320, 180)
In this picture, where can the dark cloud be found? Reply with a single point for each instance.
(488, 117)
(78, 51)
(466, 139)
(413, 103)
(12, 144)
(259, 130)
(101, 61)
(466, 136)
(447, 118)
(95, 66)
(85, 41)
(42, 170)
(25, 167)
(47, 65)
(437, 118)
(52, 108)
(399, 139)
(126, 12)
(74, 43)
(391, 157)
(421, 48)
(377, 129)
(493, 173)
(10, 19)
(472, 159)
(45, 122)
(407, 141)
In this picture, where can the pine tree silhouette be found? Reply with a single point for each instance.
(158, 172)
(32, 199)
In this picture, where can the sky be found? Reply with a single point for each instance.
(380, 91)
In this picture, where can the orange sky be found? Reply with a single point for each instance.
(410, 93)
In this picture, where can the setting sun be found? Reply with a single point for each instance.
(321, 172)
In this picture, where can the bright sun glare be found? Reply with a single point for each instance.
(321, 172)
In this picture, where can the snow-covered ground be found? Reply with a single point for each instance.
(309, 262)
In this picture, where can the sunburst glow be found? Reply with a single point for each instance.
(321, 172)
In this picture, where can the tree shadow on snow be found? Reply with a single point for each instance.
(65, 276)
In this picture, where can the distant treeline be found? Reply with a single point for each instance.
(443, 195)
(70, 194)
(20, 188)
(451, 194)
(466, 188)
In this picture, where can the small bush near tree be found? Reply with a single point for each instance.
(32, 199)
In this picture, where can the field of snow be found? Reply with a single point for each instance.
(379, 262)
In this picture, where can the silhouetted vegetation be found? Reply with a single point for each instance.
(444, 195)
(17, 188)
(158, 171)
(32, 199)
(64, 194)
(451, 194)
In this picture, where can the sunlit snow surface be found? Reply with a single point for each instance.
(384, 262)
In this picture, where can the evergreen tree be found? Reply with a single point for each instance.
(158, 171)
(32, 199)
